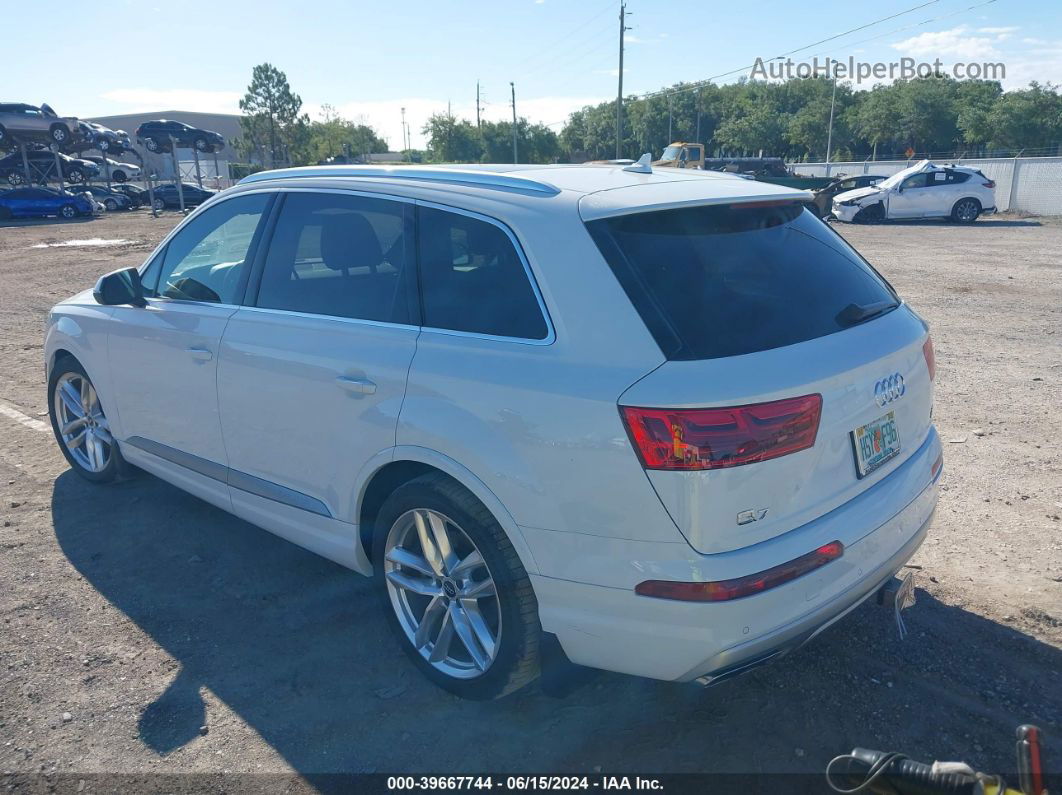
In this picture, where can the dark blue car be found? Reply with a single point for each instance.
(42, 202)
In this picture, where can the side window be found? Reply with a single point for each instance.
(472, 279)
(915, 181)
(340, 255)
(936, 179)
(955, 177)
(205, 261)
(848, 184)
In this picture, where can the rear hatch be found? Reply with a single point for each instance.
(795, 380)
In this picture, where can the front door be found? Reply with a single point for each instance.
(312, 374)
(163, 357)
(909, 199)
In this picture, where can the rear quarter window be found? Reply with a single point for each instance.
(722, 280)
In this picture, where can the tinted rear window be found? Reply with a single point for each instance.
(724, 280)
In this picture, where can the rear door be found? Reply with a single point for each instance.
(312, 371)
(786, 350)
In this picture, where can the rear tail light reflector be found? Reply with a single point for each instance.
(931, 358)
(990, 184)
(697, 439)
(739, 587)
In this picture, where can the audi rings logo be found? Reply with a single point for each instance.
(889, 389)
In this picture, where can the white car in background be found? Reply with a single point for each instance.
(120, 172)
(924, 190)
(671, 419)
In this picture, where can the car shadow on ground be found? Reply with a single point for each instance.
(297, 647)
(15, 222)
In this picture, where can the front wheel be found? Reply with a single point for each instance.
(68, 211)
(59, 133)
(119, 176)
(111, 205)
(159, 204)
(75, 177)
(455, 591)
(873, 214)
(966, 211)
(79, 424)
(151, 144)
(16, 178)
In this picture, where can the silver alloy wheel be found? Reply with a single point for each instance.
(82, 425)
(966, 210)
(442, 593)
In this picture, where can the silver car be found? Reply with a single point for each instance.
(18, 120)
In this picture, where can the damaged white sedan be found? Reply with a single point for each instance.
(924, 190)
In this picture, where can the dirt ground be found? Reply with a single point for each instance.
(145, 632)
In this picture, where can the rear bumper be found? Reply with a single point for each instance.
(617, 630)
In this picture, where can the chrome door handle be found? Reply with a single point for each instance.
(362, 386)
(199, 354)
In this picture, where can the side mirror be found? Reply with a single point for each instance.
(120, 288)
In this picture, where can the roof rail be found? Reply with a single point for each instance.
(467, 176)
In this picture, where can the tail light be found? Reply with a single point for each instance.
(695, 439)
(931, 359)
(726, 590)
(989, 184)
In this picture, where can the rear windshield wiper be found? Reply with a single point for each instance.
(853, 314)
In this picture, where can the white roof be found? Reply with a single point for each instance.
(600, 189)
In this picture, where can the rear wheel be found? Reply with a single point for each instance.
(76, 176)
(966, 211)
(111, 205)
(151, 144)
(119, 176)
(454, 590)
(79, 424)
(68, 211)
(16, 178)
(159, 204)
(59, 133)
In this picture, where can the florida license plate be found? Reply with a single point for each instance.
(875, 443)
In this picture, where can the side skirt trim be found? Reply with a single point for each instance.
(234, 478)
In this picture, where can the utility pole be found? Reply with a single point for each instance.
(829, 135)
(619, 88)
(669, 138)
(512, 87)
(405, 136)
(477, 104)
(698, 115)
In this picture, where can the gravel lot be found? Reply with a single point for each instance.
(146, 632)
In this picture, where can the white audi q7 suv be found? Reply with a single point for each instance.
(668, 421)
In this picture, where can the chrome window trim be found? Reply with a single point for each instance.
(315, 316)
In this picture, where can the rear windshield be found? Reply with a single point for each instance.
(726, 280)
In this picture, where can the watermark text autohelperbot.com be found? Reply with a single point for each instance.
(858, 71)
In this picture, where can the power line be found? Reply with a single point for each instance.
(564, 36)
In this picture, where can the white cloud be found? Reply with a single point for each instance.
(386, 115)
(957, 43)
(1002, 32)
(137, 100)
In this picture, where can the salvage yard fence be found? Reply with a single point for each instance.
(1023, 184)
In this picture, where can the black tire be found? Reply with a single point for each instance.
(111, 205)
(151, 144)
(76, 176)
(116, 466)
(3, 133)
(202, 145)
(159, 205)
(59, 133)
(119, 176)
(965, 211)
(16, 178)
(516, 663)
(68, 211)
(874, 214)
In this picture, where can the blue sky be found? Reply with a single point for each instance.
(371, 59)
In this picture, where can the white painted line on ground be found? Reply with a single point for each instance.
(23, 419)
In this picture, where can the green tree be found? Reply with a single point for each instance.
(452, 140)
(1027, 119)
(273, 128)
(974, 101)
(336, 136)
